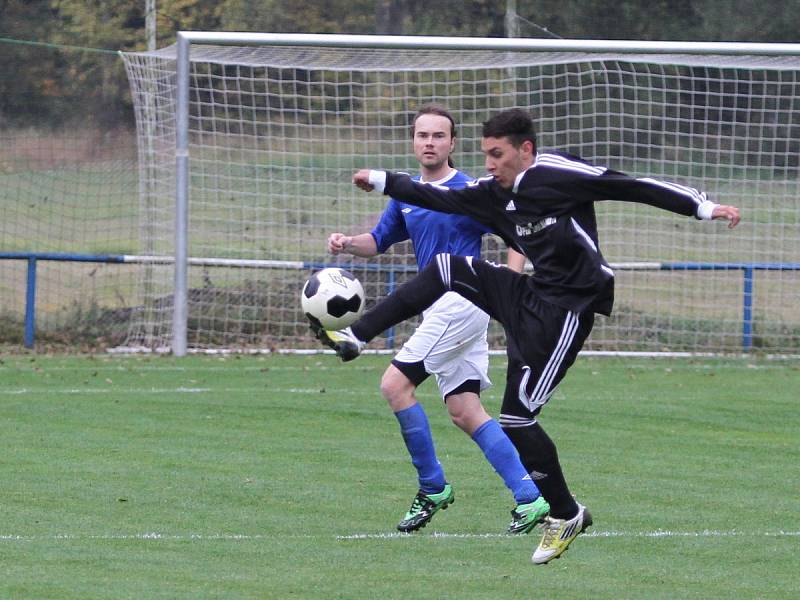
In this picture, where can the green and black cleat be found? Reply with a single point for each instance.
(526, 516)
(424, 507)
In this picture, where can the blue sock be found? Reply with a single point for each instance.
(502, 455)
(419, 441)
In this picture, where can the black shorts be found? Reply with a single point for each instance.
(542, 339)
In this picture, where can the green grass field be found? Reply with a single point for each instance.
(283, 477)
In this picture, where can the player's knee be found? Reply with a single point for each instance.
(466, 411)
(388, 387)
(467, 421)
(397, 390)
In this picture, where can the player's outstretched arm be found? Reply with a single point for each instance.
(468, 201)
(726, 213)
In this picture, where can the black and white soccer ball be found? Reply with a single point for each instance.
(333, 297)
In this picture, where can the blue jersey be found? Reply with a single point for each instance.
(431, 232)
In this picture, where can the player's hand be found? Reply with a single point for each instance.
(729, 213)
(361, 180)
(338, 243)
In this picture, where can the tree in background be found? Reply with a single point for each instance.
(23, 89)
(623, 19)
(59, 84)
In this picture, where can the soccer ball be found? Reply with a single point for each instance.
(333, 297)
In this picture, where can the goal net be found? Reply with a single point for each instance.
(68, 199)
(275, 133)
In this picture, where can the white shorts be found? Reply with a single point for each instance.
(451, 343)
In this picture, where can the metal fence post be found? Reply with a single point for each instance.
(747, 309)
(30, 304)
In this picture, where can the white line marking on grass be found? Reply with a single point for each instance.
(245, 537)
(179, 390)
(659, 533)
(706, 533)
(73, 391)
(264, 368)
(152, 536)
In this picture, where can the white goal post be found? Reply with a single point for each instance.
(247, 142)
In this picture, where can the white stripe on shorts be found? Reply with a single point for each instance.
(542, 392)
(443, 262)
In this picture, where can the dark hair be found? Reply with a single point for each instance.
(441, 111)
(515, 124)
(435, 109)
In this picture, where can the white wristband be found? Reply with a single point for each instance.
(377, 179)
(706, 209)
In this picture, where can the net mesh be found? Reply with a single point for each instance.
(68, 186)
(276, 132)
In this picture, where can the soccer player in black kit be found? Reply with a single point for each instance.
(542, 205)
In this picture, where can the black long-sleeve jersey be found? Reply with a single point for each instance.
(549, 217)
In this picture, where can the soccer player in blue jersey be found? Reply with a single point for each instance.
(542, 204)
(450, 342)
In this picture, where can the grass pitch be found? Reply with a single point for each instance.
(283, 477)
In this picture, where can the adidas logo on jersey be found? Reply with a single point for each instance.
(510, 205)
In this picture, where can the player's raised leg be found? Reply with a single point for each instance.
(445, 273)
(407, 301)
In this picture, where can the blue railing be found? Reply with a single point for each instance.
(30, 286)
(748, 270)
(748, 273)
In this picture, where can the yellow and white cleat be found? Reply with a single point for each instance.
(344, 343)
(558, 535)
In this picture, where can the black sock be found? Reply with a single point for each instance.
(540, 458)
(406, 301)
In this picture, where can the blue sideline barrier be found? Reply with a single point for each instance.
(748, 270)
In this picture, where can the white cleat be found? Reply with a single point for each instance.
(346, 345)
(558, 535)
